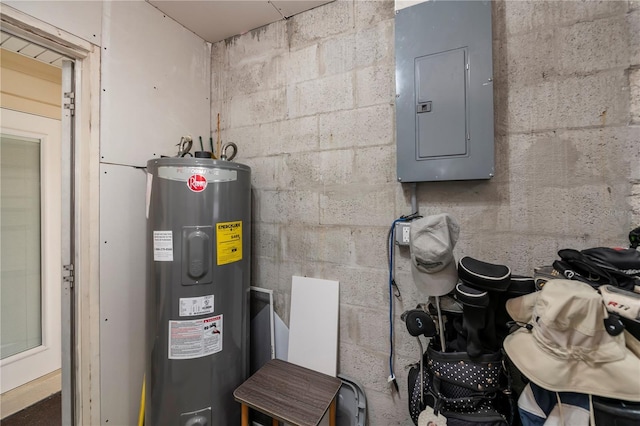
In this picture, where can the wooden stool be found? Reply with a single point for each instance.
(289, 393)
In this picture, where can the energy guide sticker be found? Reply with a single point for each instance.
(163, 246)
(228, 242)
(195, 338)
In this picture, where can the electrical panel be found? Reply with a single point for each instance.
(444, 91)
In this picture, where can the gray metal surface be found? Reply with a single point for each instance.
(444, 91)
(193, 249)
(352, 403)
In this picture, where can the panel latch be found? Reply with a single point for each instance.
(424, 107)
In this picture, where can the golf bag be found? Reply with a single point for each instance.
(466, 391)
(467, 381)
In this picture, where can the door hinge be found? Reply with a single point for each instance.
(67, 278)
(71, 105)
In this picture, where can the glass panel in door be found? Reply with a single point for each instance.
(30, 247)
(20, 260)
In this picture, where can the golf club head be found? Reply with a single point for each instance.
(418, 323)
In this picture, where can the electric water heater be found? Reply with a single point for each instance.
(198, 271)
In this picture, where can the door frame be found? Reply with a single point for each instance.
(83, 355)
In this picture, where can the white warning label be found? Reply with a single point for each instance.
(192, 306)
(163, 246)
(195, 338)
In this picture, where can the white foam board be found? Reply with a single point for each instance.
(313, 324)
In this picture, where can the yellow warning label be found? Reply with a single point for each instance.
(229, 242)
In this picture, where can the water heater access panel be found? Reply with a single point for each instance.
(444, 88)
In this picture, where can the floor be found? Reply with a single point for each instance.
(47, 412)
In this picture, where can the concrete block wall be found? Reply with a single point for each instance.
(310, 103)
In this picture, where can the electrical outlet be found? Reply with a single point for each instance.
(402, 233)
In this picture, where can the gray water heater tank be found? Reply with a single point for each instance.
(198, 272)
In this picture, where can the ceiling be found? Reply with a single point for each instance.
(212, 20)
(216, 20)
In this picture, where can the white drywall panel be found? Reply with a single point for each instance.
(401, 4)
(313, 324)
(155, 84)
(218, 20)
(80, 18)
(122, 292)
(289, 8)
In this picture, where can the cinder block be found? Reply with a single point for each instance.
(270, 40)
(218, 64)
(591, 46)
(365, 327)
(375, 165)
(392, 409)
(287, 270)
(282, 304)
(360, 286)
(370, 368)
(600, 155)
(580, 101)
(633, 29)
(250, 77)
(597, 100)
(375, 85)
(266, 238)
(256, 108)
(317, 170)
(634, 95)
(264, 171)
(360, 205)
(337, 54)
(370, 244)
(292, 135)
(288, 206)
(375, 44)
(319, 23)
(251, 140)
(579, 210)
(567, 156)
(525, 16)
(531, 57)
(633, 148)
(317, 244)
(368, 126)
(634, 203)
(265, 272)
(369, 328)
(275, 138)
(333, 93)
(302, 65)
(577, 11)
(498, 24)
(599, 209)
(411, 295)
(502, 152)
(368, 13)
(383, 409)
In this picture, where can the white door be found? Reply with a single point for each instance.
(30, 252)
